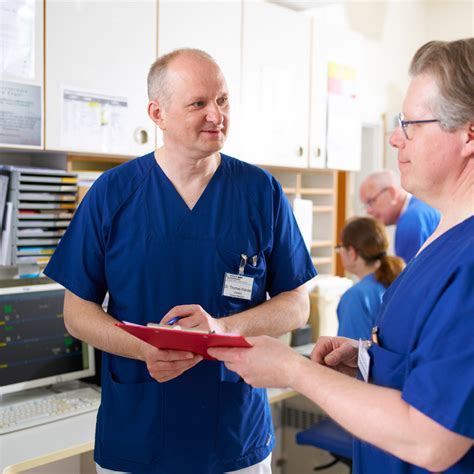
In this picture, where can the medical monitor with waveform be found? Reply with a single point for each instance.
(35, 348)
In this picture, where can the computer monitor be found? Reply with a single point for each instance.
(35, 348)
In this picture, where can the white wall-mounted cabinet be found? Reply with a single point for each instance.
(97, 59)
(21, 74)
(275, 85)
(97, 55)
(215, 27)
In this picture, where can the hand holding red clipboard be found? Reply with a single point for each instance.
(190, 340)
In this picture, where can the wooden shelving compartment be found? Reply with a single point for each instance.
(321, 187)
(317, 192)
(323, 209)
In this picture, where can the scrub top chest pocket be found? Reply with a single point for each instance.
(244, 276)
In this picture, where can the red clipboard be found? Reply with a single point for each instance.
(182, 339)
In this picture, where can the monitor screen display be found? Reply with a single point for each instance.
(35, 348)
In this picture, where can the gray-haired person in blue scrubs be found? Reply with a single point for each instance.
(188, 232)
(417, 413)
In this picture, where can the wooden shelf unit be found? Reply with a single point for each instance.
(321, 187)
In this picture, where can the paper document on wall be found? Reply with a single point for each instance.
(94, 122)
(17, 38)
(303, 211)
(344, 130)
(21, 114)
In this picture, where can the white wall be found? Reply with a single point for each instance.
(391, 32)
(449, 19)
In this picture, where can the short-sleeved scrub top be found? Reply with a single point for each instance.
(426, 345)
(358, 308)
(135, 237)
(414, 226)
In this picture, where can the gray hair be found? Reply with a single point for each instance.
(451, 63)
(158, 88)
(383, 179)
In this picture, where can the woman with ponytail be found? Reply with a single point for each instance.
(363, 251)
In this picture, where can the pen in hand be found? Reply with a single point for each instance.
(177, 318)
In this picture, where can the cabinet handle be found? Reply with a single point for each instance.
(299, 151)
(140, 135)
(317, 152)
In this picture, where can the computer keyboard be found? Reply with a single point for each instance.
(47, 408)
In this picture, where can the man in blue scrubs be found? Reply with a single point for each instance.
(417, 414)
(387, 201)
(187, 232)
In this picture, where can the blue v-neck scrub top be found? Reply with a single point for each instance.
(134, 237)
(426, 345)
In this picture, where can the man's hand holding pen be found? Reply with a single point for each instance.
(194, 316)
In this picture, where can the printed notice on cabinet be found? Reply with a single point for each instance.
(17, 38)
(343, 118)
(20, 114)
(94, 122)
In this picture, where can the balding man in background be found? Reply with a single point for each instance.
(385, 200)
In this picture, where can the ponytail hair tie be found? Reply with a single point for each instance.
(380, 255)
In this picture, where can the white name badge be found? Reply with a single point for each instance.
(238, 286)
(363, 360)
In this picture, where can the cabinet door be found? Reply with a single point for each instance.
(335, 123)
(97, 58)
(215, 27)
(275, 85)
(21, 74)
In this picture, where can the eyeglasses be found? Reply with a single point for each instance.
(371, 201)
(404, 123)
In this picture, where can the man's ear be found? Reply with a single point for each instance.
(392, 191)
(468, 148)
(155, 112)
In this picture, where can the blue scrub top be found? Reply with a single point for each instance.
(414, 226)
(358, 308)
(135, 237)
(426, 345)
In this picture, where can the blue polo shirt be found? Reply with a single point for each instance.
(414, 226)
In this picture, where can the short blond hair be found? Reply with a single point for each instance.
(451, 64)
(158, 88)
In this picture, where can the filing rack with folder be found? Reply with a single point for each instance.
(40, 205)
